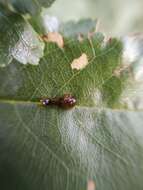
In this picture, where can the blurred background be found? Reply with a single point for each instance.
(116, 17)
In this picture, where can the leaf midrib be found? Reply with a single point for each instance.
(28, 102)
(12, 101)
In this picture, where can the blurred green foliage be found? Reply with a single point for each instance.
(117, 17)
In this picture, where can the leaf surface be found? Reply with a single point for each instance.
(18, 40)
(27, 6)
(100, 139)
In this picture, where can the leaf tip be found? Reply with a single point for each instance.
(91, 185)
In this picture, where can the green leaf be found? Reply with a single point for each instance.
(51, 148)
(82, 27)
(18, 40)
(55, 149)
(27, 6)
(56, 77)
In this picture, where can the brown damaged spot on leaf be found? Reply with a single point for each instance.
(80, 37)
(54, 37)
(91, 185)
(121, 69)
(90, 35)
(80, 63)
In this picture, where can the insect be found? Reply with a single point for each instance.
(67, 101)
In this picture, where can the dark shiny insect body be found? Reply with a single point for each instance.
(67, 101)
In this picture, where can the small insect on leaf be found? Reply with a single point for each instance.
(67, 101)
